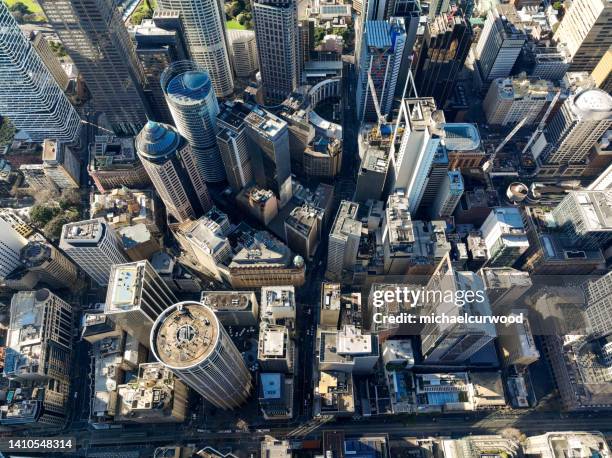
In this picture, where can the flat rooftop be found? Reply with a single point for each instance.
(228, 300)
(125, 285)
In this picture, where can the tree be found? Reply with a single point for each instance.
(7, 131)
(233, 9)
(40, 215)
(20, 8)
(319, 34)
(70, 199)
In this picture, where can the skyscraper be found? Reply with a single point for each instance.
(159, 42)
(11, 244)
(243, 49)
(136, 296)
(193, 104)
(37, 360)
(449, 194)
(94, 246)
(188, 339)
(29, 95)
(499, 44)
(599, 304)
(276, 31)
(344, 240)
(585, 29)
(455, 343)
(49, 58)
(563, 148)
(234, 143)
(206, 37)
(585, 217)
(49, 264)
(381, 57)
(271, 154)
(95, 38)
(169, 161)
(505, 237)
(442, 55)
(420, 126)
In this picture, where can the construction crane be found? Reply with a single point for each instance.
(96, 125)
(542, 123)
(382, 120)
(486, 168)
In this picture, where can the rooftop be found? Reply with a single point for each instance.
(185, 335)
(125, 287)
(346, 222)
(228, 300)
(265, 123)
(460, 136)
(109, 151)
(83, 232)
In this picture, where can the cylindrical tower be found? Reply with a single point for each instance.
(190, 96)
(188, 338)
(171, 165)
(204, 22)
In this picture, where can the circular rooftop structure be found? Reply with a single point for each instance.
(188, 87)
(157, 141)
(594, 100)
(185, 335)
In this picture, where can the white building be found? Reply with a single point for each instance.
(135, 297)
(188, 339)
(505, 236)
(93, 246)
(206, 39)
(509, 100)
(243, 49)
(11, 244)
(420, 130)
(343, 240)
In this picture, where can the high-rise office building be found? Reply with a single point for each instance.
(303, 229)
(500, 43)
(449, 194)
(11, 244)
(437, 8)
(169, 161)
(49, 264)
(380, 57)
(276, 31)
(49, 58)
(61, 165)
(271, 154)
(586, 33)
(445, 47)
(586, 218)
(206, 37)
(29, 95)
(344, 240)
(136, 296)
(420, 126)
(188, 339)
(37, 360)
(243, 49)
(94, 246)
(444, 343)
(159, 42)
(193, 104)
(505, 236)
(509, 100)
(234, 144)
(599, 304)
(97, 41)
(563, 148)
